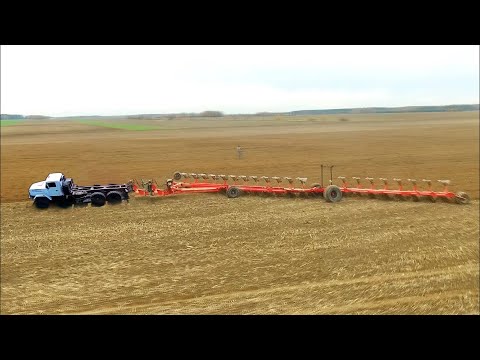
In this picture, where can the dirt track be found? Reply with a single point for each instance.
(209, 254)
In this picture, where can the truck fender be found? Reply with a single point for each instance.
(39, 196)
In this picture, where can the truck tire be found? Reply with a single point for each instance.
(233, 192)
(42, 202)
(98, 199)
(114, 197)
(332, 193)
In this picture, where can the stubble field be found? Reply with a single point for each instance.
(207, 254)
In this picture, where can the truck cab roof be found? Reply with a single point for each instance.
(55, 177)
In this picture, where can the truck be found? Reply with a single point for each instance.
(62, 191)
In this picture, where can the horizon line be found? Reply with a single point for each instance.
(255, 113)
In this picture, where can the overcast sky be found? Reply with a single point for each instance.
(118, 80)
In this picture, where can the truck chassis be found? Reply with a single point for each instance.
(78, 195)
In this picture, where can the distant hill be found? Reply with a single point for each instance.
(373, 110)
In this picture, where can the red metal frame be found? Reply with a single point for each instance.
(197, 186)
(207, 187)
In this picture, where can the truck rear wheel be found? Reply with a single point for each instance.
(98, 199)
(42, 202)
(114, 197)
(332, 193)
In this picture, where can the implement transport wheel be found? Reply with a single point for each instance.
(177, 176)
(98, 199)
(332, 193)
(42, 202)
(114, 197)
(233, 192)
(462, 198)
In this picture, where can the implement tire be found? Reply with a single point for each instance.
(177, 176)
(332, 193)
(114, 197)
(98, 199)
(42, 202)
(233, 192)
(462, 198)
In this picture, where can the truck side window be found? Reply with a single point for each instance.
(51, 184)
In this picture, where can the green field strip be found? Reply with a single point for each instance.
(9, 122)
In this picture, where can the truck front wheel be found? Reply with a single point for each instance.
(42, 203)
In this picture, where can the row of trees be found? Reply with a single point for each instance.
(11, 116)
(208, 113)
(19, 117)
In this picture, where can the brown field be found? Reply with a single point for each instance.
(206, 254)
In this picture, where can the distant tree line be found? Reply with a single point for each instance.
(372, 110)
(38, 117)
(211, 113)
(11, 116)
(145, 116)
(17, 117)
(208, 113)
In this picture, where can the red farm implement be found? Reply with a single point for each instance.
(185, 183)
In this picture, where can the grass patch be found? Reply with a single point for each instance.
(134, 127)
(9, 122)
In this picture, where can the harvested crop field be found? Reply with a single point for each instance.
(207, 254)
